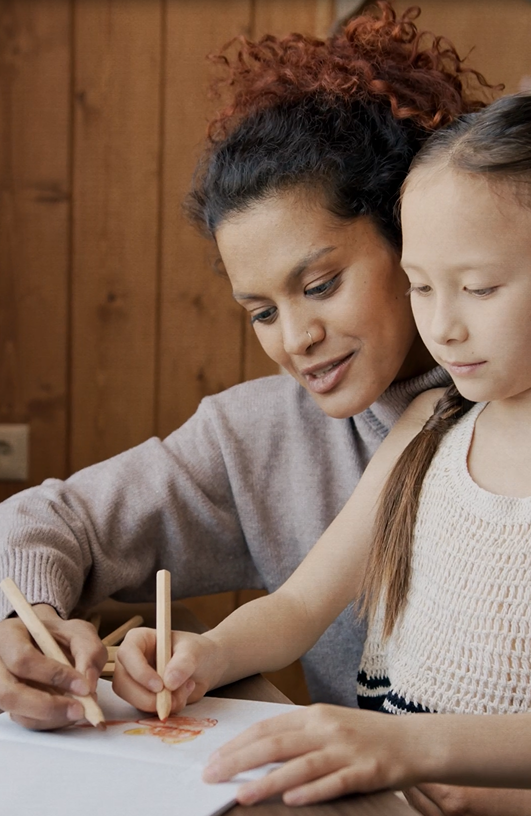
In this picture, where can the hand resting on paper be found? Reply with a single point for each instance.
(196, 666)
(24, 671)
(328, 751)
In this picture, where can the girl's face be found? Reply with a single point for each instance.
(325, 297)
(467, 254)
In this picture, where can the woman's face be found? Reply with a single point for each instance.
(326, 298)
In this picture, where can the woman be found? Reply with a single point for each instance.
(298, 187)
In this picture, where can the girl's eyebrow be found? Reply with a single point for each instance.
(294, 273)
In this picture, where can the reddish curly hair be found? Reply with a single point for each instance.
(342, 117)
(383, 57)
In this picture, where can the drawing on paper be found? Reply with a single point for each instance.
(174, 731)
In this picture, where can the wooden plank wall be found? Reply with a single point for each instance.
(112, 324)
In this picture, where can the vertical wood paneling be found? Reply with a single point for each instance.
(201, 326)
(498, 35)
(116, 220)
(34, 224)
(313, 17)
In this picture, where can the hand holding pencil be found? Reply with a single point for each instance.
(160, 670)
(28, 678)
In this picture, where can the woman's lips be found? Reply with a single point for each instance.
(328, 376)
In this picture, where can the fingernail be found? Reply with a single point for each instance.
(189, 686)
(74, 712)
(155, 684)
(80, 686)
(172, 681)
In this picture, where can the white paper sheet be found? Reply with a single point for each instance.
(134, 768)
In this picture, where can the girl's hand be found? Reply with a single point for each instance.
(194, 668)
(328, 752)
(32, 685)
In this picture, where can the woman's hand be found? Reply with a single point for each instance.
(32, 685)
(195, 667)
(328, 751)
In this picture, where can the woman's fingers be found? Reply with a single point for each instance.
(28, 678)
(34, 708)
(88, 652)
(27, 663)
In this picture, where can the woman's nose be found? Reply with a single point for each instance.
(299, 335)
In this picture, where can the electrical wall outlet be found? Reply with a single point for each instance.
(14, 453)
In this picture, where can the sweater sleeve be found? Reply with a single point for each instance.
(108, 528)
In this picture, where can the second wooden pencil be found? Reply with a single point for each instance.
(163, 639)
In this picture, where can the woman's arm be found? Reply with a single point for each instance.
(271, 632)
(105, 531)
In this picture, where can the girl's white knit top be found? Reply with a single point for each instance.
(463, 642)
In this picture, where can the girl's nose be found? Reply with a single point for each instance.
(447, 326)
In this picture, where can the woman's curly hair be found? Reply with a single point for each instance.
(346, 114)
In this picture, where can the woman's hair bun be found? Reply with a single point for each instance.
(377, 55)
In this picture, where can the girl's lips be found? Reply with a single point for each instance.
(462, 369)
(327, 377)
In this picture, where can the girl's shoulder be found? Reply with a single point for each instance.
(421, 409)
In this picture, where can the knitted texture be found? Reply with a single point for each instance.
(463, 642)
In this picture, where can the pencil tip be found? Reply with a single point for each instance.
(101, 726)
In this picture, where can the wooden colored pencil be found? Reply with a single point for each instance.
(48, 645)
(109, 669)
(163, 639)
(118, 634)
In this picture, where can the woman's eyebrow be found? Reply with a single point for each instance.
(295, 272)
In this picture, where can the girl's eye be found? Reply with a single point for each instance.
(322, 288)
(419, 290)
(488, 290)
(265, 316)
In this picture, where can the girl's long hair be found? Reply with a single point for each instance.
(494, 143)
(388, 570)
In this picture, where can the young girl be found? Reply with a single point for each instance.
(446, 585)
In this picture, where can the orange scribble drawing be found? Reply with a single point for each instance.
(175, 730)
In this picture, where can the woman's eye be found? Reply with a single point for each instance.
(419, 290)
(265, 316)
(322, 288)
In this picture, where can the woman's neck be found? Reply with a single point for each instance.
(418, 361)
